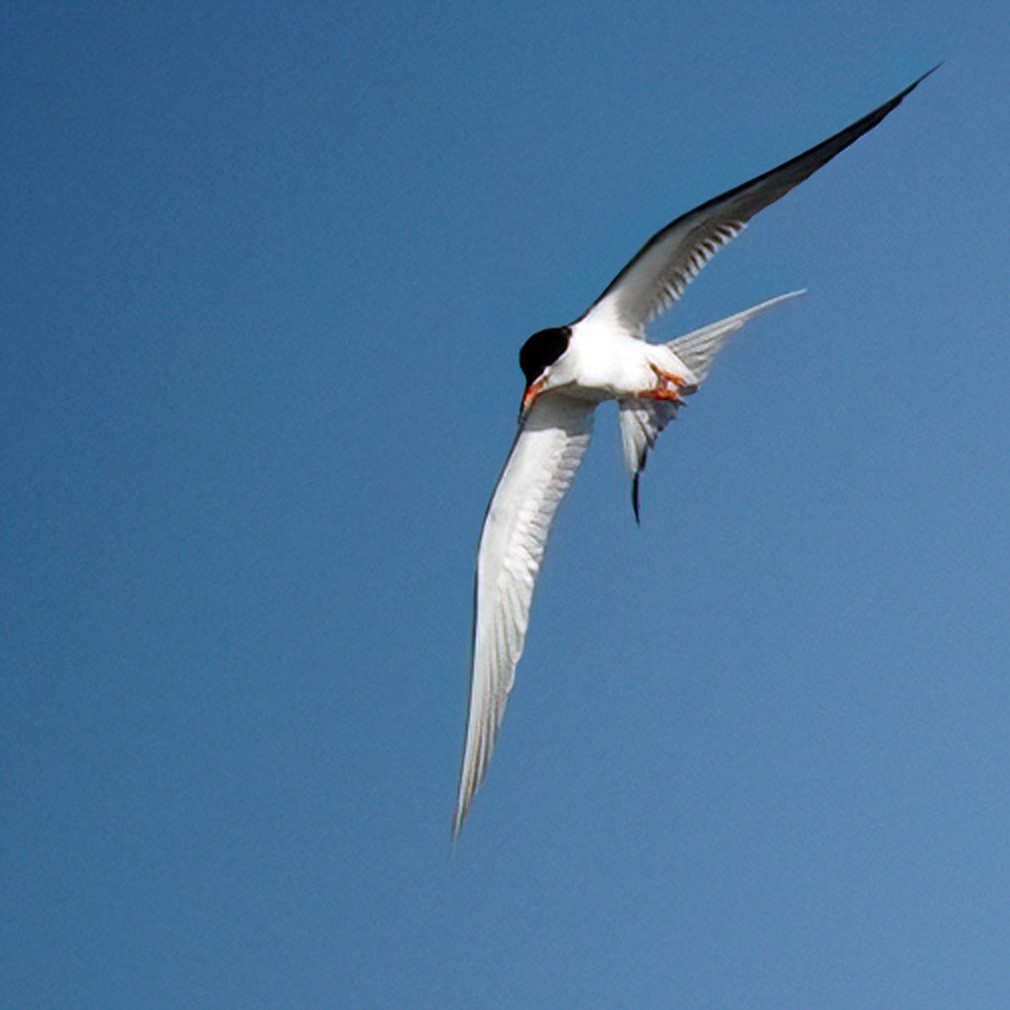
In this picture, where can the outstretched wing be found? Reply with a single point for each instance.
(672, 258)
(538, 473)
(642, 420)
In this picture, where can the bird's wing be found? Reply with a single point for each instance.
(672, 258)
(642, 420)
(538, 473)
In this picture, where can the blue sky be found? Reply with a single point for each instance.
(267, 271)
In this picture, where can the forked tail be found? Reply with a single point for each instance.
(643, 420)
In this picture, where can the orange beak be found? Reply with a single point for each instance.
(533, 390)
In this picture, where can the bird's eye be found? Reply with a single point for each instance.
(542, 350)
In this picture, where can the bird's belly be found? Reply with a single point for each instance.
(593, 394)
(611, 370)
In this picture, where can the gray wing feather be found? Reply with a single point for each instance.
(669, 261)
(538, 473)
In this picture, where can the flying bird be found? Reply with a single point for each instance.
(569, 370)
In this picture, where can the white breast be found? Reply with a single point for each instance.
(603, 365)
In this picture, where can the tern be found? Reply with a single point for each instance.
(569, 371)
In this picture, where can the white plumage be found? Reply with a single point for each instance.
(569, 371)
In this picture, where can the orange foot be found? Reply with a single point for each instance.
(662, 393)
(669, 388)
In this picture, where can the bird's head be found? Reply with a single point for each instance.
(537, 357)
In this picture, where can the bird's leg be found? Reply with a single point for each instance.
(669, 387)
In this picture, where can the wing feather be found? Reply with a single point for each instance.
(537, 475)
(673, 257)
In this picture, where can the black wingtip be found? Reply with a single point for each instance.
(869, 121)
(634, 498)
(919, 80)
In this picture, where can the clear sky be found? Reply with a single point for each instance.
(266, 271)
